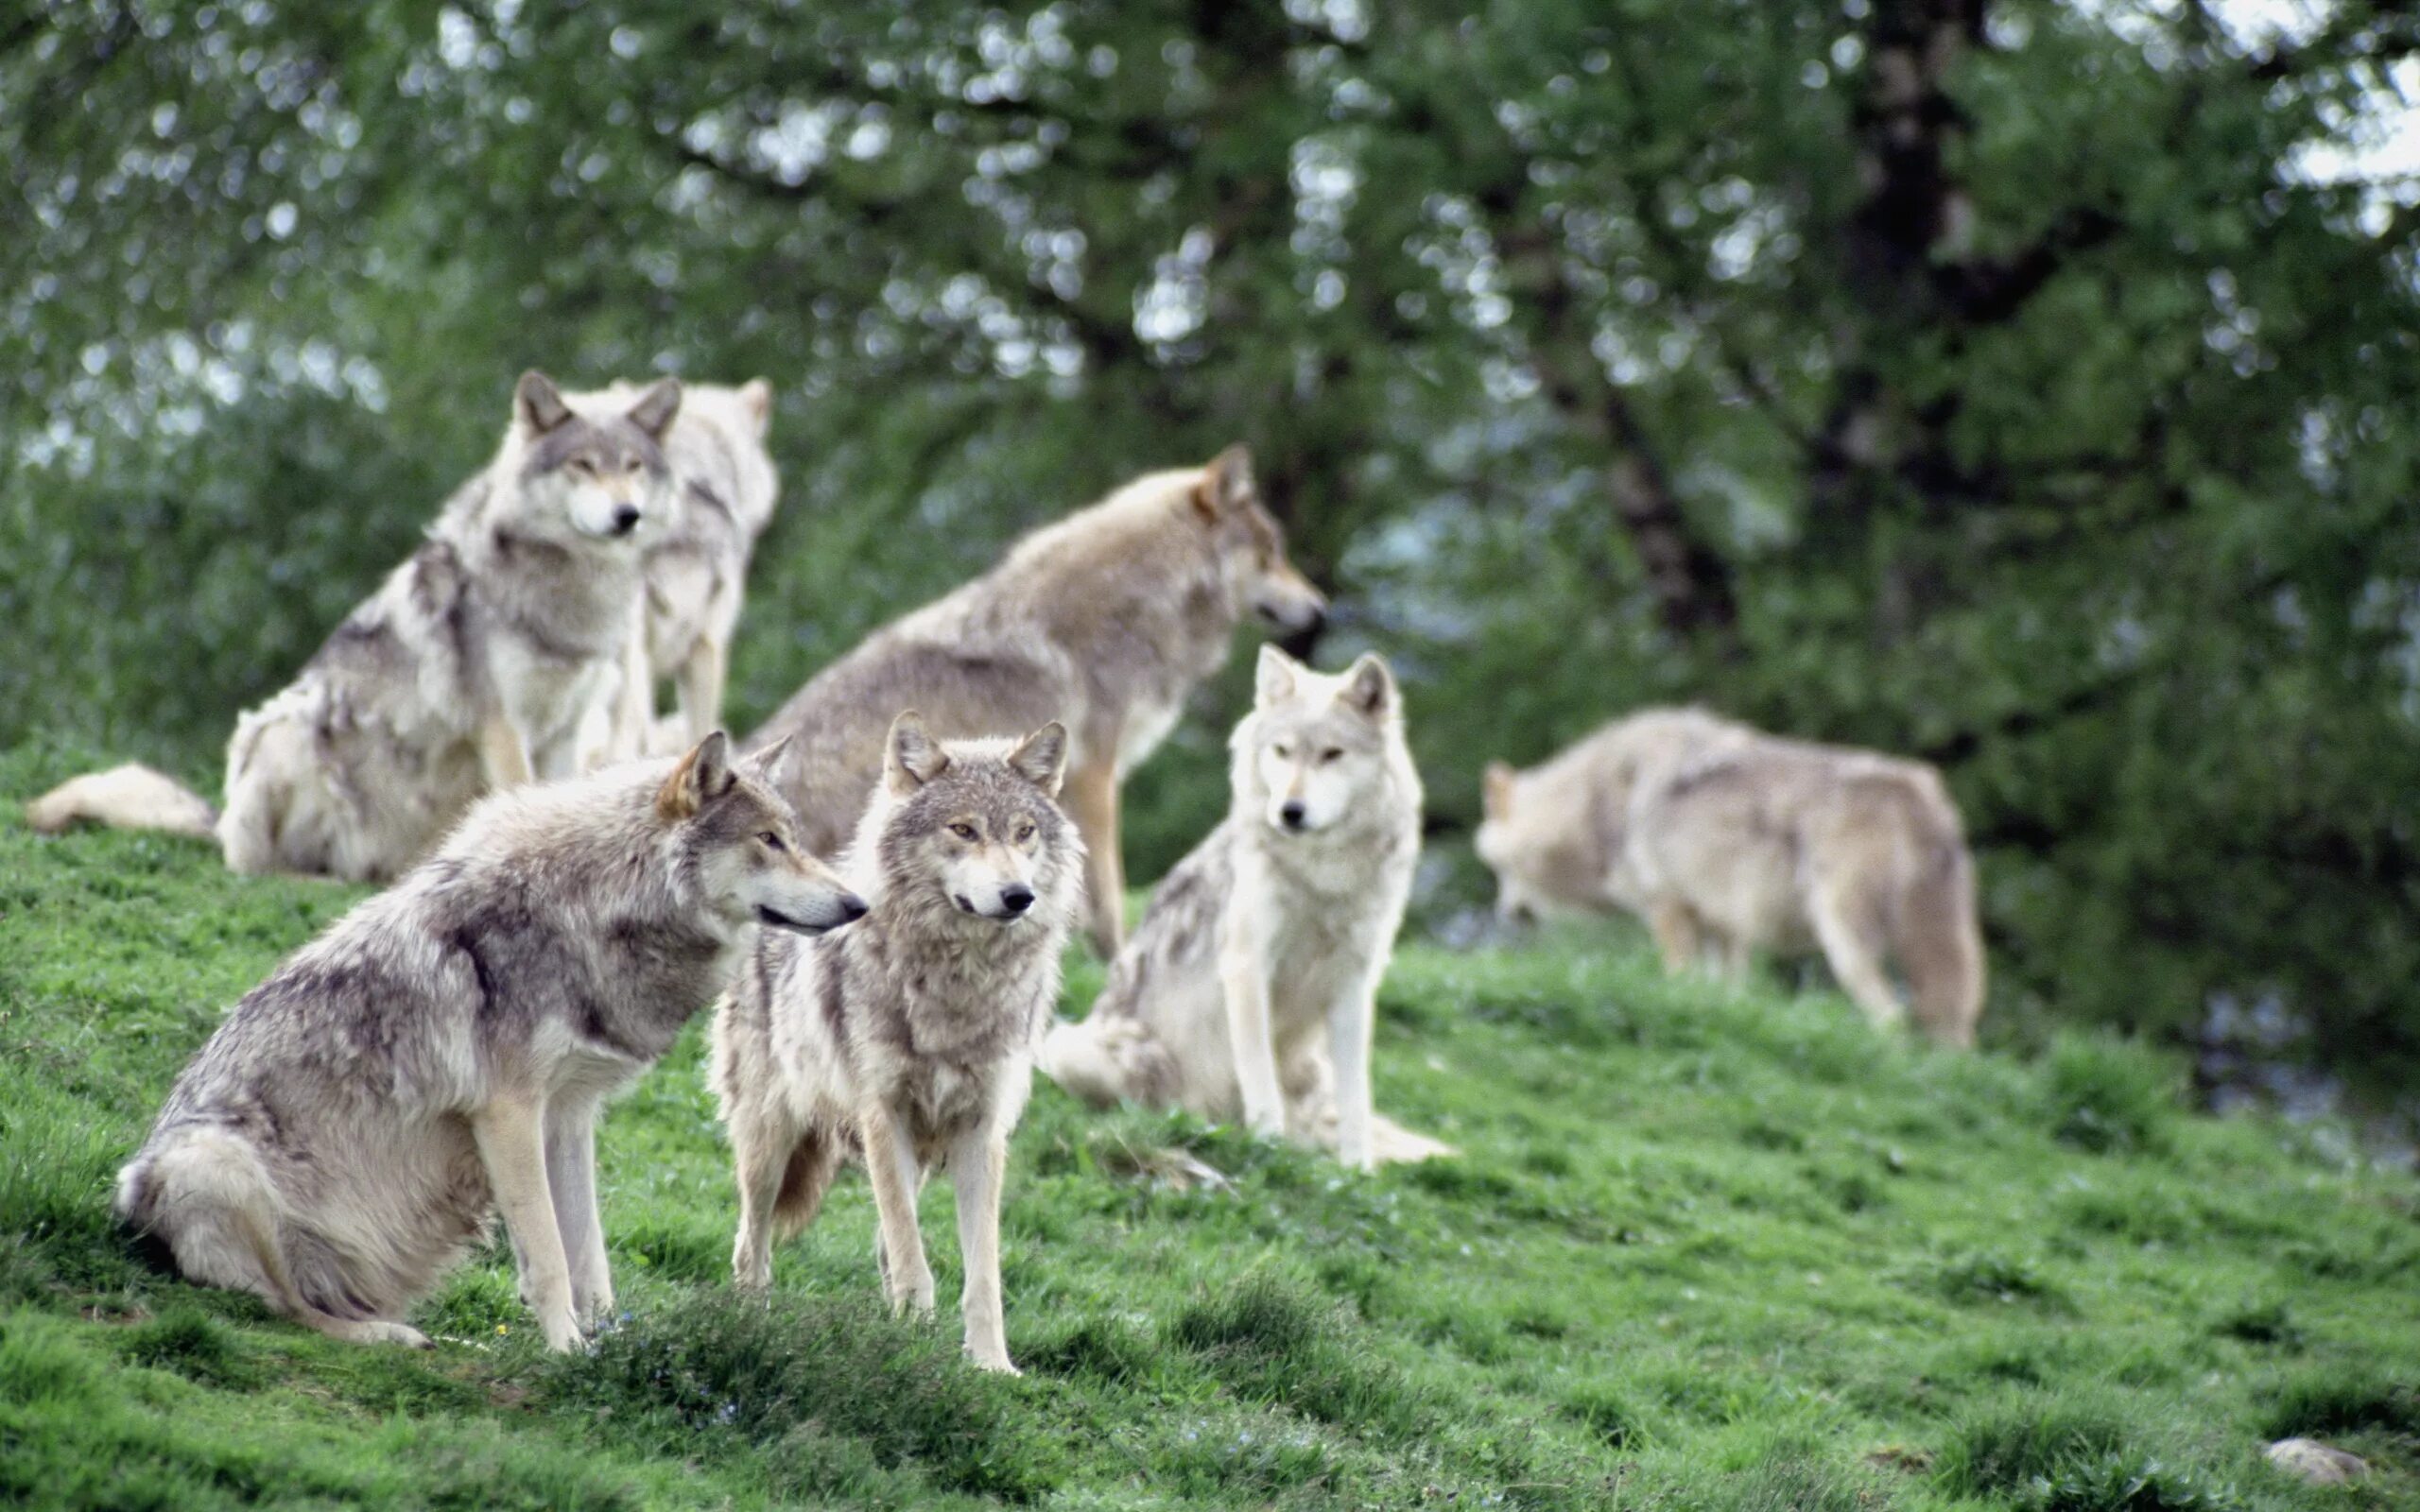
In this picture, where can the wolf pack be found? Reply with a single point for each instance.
(873, 894)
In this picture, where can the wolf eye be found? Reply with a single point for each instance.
(964, 832)
(631, 466)
(772, 841)
(1025, 832)
(1332, 753)
(1282, 751)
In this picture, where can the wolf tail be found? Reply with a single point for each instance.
(132, 796)
(1940, 945)
(1107, 1059)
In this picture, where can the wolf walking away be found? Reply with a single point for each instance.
(1251, 986)
(696, 572)
(446, 1047)
(472, 668)
(1107, 619)
(1728, 841)
(911, 1037)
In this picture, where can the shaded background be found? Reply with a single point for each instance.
(2023, 385)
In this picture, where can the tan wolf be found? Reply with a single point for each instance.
(697, 571)
(911, 1037)
(1729, 841)
(1106, 619)
(1251, 986)
(444, 1049)
(474, 668)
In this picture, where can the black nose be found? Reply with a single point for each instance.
(853, 907)
(1016, 900)
(1292, 814)
(626, 519)
(1317, 618)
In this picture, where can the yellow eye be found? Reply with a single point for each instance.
(964, 832)
(771, 841)
(1025, 832)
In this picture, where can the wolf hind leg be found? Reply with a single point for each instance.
(1853, 948)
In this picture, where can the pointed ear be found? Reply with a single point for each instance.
(772, 766)
(1226, 485)
(654, 411)
(1274, 681)
(702, 777)
(756, 400)
(911, 757)
(1496, 790)
(537, 405)
(1369, 687)
(1042, 757)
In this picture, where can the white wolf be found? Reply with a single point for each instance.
(910, 1036)
(1251, 986)
(474, 668)
(444, 1048)
(1727, 840)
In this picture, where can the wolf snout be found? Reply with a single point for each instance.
(1017, 899)
(1293, 812)
(626, 519)
(845, 909)
(1295, 619)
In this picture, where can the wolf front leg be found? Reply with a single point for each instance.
(1243, 979)
(977, 1163)
(890, 1168)
(571, 1179)
(699, 685)
(510, 1133)
(504, 754)
(1352, 1019)
(1090, 795)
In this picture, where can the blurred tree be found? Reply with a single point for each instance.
(2023, 384)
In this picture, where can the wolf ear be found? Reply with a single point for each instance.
(702, 777)
(772, 766)
(756, 399)
(911, 757)
(1042, 757)
(537, 405)
(654, 411)
(1226, 485)
(1495, 791)
(1274, 680)
(1369, 687)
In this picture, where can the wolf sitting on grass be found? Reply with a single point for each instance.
(444, 1048)
(1251, 986)
(911, 1037)
(1106, 620)
(1728, 840)
(472, 668)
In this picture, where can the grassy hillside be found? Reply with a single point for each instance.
(1706, 1250)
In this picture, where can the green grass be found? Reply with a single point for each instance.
(1706, 1250)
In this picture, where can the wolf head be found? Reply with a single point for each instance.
(1318, 750)
(973, 827)
(1250, 548)
(1519, 857)
(740, 841)
(591, 476)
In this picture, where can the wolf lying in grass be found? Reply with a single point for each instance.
(1730, 841)
(912, 1035)
(444, 1048)
(474, 667)
(1251, 986)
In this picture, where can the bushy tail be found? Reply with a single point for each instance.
(1108, 1058)
(132, 796)
(1940, 947)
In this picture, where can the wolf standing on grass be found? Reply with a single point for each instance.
(910, 1036)
(1251, 987)
(1727, 841)
(472, 669)
(1106, 620)
(444, 1048)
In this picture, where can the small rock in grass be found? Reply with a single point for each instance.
(2318, 1463)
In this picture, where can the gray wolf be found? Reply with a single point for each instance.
(472, 668)
(1251, 986)
(696, 572)
(1106, 619)
(1727, 841)
(911, 1037)
(444, 1048)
